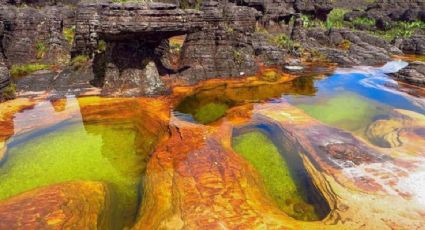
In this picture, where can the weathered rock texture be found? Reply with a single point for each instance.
(4, 79)
(279, 10)
(33, 35)
(387, 12)
(414, 73)
(224, 46)
(195, 180)
(136, 40)
(412, 45)
(397, 10)
(348, 47)
(73, 205)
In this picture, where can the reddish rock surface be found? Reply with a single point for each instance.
(73, 205)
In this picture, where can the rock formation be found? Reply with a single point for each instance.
(72, 205)
(414, 73)
(223, 48)
(134, 35)
(4, 81)
(347, 47)
(412, 45)
(214, 187)
(33, 35)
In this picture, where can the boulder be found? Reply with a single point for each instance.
(412, 45)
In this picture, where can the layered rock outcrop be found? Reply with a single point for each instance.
(135, 36)
(347, 47)
(4, 81)
(33, 35)
(412, 45)
(223, 47)
(283, 10)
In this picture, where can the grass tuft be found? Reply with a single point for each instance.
(69, 34)
(21, 70)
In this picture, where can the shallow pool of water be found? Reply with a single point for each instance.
(111, 151)
(283, 175)
(57, 141)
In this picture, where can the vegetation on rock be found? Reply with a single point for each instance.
(69, 34)
(9, 92)
(79, 61)
(41, 50)
(21, 70)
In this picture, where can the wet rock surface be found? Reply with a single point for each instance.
(82, 205)
(414, 73)
(198, 165)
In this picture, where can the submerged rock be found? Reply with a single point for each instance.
(195, 179)
(385, 133)
(74, 205)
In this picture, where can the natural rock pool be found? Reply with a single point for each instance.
(310, 152)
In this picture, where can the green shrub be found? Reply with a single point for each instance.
(308, 22)
(9, 92)
(401, 30)
(69, 34)
(364, 21)
(41, 50)
(345, 44)
(79, 61)
(284, 42)
(101, 46)
(336, 18)
(21, 70)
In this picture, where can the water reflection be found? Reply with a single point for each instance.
(208, 105)
(57, 142)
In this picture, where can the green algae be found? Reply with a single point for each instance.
(104, 153)
(347, 111)
(210, 104)
(255, 147)
(210, 112)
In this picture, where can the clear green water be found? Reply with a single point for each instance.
(278, 180)
(79, 152)
(347, 111)
(210, 112)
